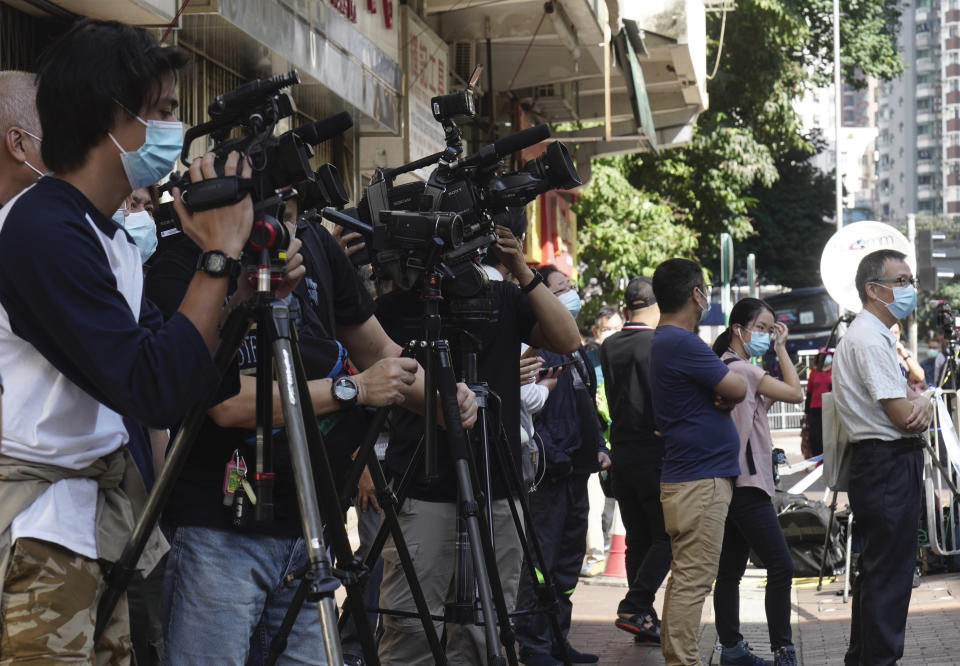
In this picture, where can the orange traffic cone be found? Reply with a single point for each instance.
(616, 558)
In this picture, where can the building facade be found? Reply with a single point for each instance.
(919, 116)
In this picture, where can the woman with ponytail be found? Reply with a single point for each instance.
(752, 520)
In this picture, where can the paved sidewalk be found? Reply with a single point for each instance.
(820, 623)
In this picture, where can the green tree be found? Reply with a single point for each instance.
(709, 182)
(788, 220)
(622, 232)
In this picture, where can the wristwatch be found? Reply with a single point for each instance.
(530, 286)
(344, 391)
(218, 264)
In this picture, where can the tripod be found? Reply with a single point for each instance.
(464, 610)
(316, 492)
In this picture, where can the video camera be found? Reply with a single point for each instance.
(281, 166)
(947, 321)
(444, 226)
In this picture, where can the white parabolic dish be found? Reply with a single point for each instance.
(845, 249)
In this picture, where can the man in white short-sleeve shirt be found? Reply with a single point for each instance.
(884, 420)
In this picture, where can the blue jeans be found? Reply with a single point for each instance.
(224, 599)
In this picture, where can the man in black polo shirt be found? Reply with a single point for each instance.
(637, 453)
(225, 580)
(428, 516)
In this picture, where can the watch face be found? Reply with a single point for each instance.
(217, 262)
(345, 389)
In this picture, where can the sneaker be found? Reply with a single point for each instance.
(644, 626)
(741, 655)
(576, 657)
(785, 656)
(592, 568)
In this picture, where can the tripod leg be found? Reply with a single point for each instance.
(826, 540)
(120, 573)
(546, 590)
(322, 581)
(331, 511)
(392, 521)
(447, 385)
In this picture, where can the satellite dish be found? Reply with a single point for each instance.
(845, 249)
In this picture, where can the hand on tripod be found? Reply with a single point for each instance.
(386, 382)
(468, 407)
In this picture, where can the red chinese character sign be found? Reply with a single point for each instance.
(346, 7)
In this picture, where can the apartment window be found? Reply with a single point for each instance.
(923, 79)
(925, 103)
(924, 154)
(924, 53)
(925, 128)
(925, 179)
(923, 26)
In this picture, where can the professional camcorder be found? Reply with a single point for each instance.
(243, 120)
(447, 224)
(947, 321)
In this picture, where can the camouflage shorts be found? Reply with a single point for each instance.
(50, 598)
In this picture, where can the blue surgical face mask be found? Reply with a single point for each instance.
(904, 301)
(571, 301)
(156, 157)
(704, 309)
(142, 229)
(758, 345)
(933, 353)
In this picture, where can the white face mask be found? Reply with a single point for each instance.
(39, 173)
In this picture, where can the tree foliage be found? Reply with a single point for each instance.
(626, 233)
(709, 180)
(745, 171)
(788, 220)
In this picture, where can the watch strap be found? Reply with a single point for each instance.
(530, 286)
(231, 266)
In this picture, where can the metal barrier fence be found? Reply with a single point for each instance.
(942, 478)
(786, 416)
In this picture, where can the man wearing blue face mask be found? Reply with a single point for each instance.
(693, 393)
(574, 449)
(81, 348)
(884, 421)
(136, 216)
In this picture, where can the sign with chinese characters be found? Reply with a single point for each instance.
(425, 63)
(346, 7)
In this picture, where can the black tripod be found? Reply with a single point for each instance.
(277, 349)
(473, 583)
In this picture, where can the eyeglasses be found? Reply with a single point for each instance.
(899, 281)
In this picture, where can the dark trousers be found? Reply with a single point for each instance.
(636, 486)
(559, 511)
(752, 523)
(885, 498)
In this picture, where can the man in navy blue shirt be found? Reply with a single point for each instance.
(693, 392)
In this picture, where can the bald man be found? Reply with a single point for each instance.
(20, 160)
